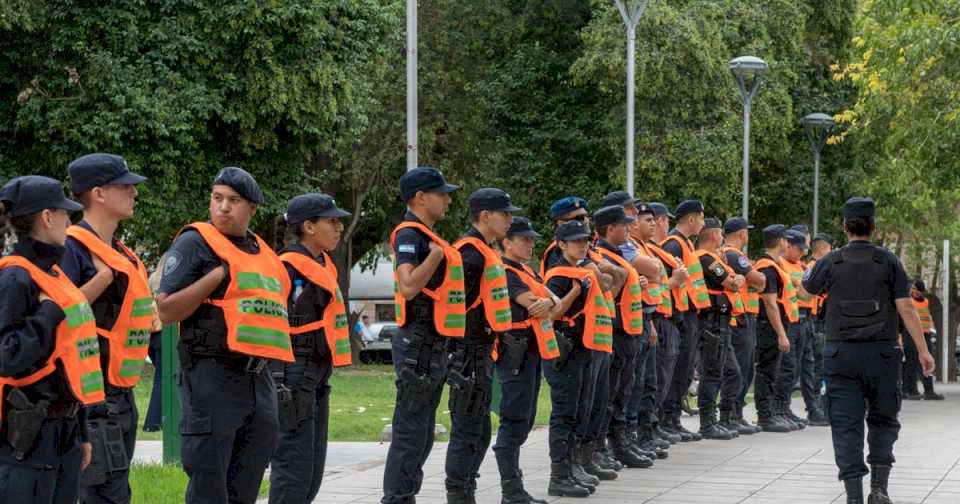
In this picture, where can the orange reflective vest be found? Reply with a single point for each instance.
(788, 293)
(923, 310)
(449, 300)
(76, 350)
(333, 321)
(255, 304)
(695, 288)
(656, 287)
(631, 298)
(796, 270)
(493, 286)
(542, 327)
(737, 307)
(819, 299)
(129, 338)
(749, 295)
(598, 319)
(668, 295)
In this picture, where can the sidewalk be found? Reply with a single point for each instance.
(765, 468)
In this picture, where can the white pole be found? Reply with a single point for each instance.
(411, 84)
(945, 303)
(816, 192)
(631, 105)
(746, 159)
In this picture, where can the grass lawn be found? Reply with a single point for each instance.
(165, 484)
(142, 394)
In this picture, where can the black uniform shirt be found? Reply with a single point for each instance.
(517, 288)
(817, 280)
(673, 248)
(738, 262)
(560, 286)
(715, 274)
(413, 247)
(472, 267)
(618, 317)
(774, 286)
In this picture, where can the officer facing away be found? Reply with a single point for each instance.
(228, 290)
(868, 290)
(430, 308)
(114, 281)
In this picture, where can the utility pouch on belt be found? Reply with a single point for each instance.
(287, 408)
(304, 400)
(23, 422)
(109, 452)
(461, 392)
(565, 345)
(418, 388)
(516, 351)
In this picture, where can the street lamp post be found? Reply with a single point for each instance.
(411, 84)
(818, 127)
(748, 70)
(631, 11)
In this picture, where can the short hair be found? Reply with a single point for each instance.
(23, 224)
(602, 230)
(859, 226)
(772, 242)
(475, 215)
(84, 198)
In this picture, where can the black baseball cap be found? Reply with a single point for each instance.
(735, 224)
(573, 230)
(521, 227)
(310, 206)
(621, 198)
(659, 210)
(688, 207)
(800, 228)
(645, 208)
(566, 205)
(712, 223)
(859, 207)
(795, 237)
(611, 215)
(241, 181)
(824, 237)
(492, 199)
(774, 231)
(32, 193)
(424, 179)
(100, 169)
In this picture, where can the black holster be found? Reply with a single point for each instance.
(286, 408)
(109, 452)
(515, 351)
(418, 382)
(565, 345)
(24, 420)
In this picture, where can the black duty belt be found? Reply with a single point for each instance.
(62, 410)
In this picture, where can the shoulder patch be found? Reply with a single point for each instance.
(744, 262)
(717, 269)
(806, 274)
(406, 248)
(172, 262)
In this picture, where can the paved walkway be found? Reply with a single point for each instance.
(765, 468)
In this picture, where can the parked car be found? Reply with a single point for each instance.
(378, 349)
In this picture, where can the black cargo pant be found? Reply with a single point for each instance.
(623, 371)
(718, 364)
(113, 429)
(768, 367)
(686, 362)
(566, 382)
(668, 349)
(744, 339)
(421, 366)
(228, 429)
(50, 472)
(594, 397)
(863, 382)
(642, 406)
(296, 470)
(469, 412)
(518, 407)
(800, 335)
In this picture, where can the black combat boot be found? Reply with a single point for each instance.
(603, 456)
(590, 465)
(879, 476)
(633, 441)
(709, 428)
(530, 499)
(670, 437)
(621, 450)
(458, 497)
(816, 418)
(648, 443)
(659, 442)
(729, 423)
(562, 483)
(511, 492)
(579, 475)
(744, 423)
(854, 488)
(801, 422)
(773, 424)
(691, 436)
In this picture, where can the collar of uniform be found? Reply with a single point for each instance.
(247, 242)
(300, 249)
(411, 217)
(474, 233)
(603, 243)
(860, 243)
(512, 263)
(44, 255)
(113, 243)
(676, 232)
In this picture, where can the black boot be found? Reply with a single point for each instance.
(621, 450)
(562, 484)
(590, 465)
(530, 499)
(929, 395)
(744, 423)
(659, 442)
(729, 423)
(647, 442)
(511, 492)
(879, 476)
(854, 488)
(709, 428)
(801, 422)
(458, 497)
(773, 424)
(633, 441)
(603, 456)
(816, 418)
(670, 437)
(680, 429)
(579, 475)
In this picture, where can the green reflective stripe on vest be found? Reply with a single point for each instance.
(500, 293)
(91, 382)
(339, 295)
(341, 321)
(601, 339)
(263, 337)
(504, 315)
(342, 347)
(131, 368)
(699, 283)
(456, 273)
(78, 315)
(703, 296)
(494, 272)
(551, 344)
(635, 290)
(138, 338)
(142, 307)
(455, 321)
(248, 281)
(88, 347)
(636, 324)
(696, 267)
(262, 307)
(753, 303)
(456, 297)
(599, 301)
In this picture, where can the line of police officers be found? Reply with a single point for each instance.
(616, 321)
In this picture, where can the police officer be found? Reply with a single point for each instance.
(918, 294)
(228, 290)
(430, 307)
(530, 344)
(574, 281)
(744, 333)
(114, 281)
(470, 369)
(631, 333)
(777, 308)
(42, 314)
(321, 341)
(690, 297)
(791, 361)
(868, 290)
(718, 364)
(820, 246)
